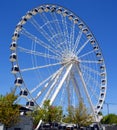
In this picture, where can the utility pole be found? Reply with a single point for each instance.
(108, 112)
(107, 107)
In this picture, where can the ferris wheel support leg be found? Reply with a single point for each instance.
(76, 88)
(87, 94)
(68, 89)
(61, 83)
(38, 125)
(51, 88)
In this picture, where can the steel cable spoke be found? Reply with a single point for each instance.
(38, 41)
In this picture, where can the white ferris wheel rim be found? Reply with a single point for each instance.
(68, 46)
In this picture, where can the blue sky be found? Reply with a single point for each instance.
(99, 15)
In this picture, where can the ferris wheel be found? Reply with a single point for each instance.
(55, 56)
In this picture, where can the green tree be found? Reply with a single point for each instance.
(69, 118)
(109, 119)
(79, 115)
(47, 113)
(9, 112)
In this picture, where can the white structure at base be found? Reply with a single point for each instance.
(26, 123)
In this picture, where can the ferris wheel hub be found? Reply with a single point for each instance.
(68, 56)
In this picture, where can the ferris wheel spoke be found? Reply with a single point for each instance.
(85, 89)
(94, 83)
(43, 32)
(61, 45)
(49, 27)
(41, 67)
(77, 41)
(66, 33)
(37, 53)
(56, 33)
(61, 38)
(94, 94)
(40, 28)
(90, 69)
(93, 91)
(38, 41)
(44, 81)
(89, 61)
(72, 36)
(81, 48)
(91, 76)
(86, 54)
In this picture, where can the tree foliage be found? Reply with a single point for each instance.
(9, 112)
(109, 119)
(79, 115)
(47, 113)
